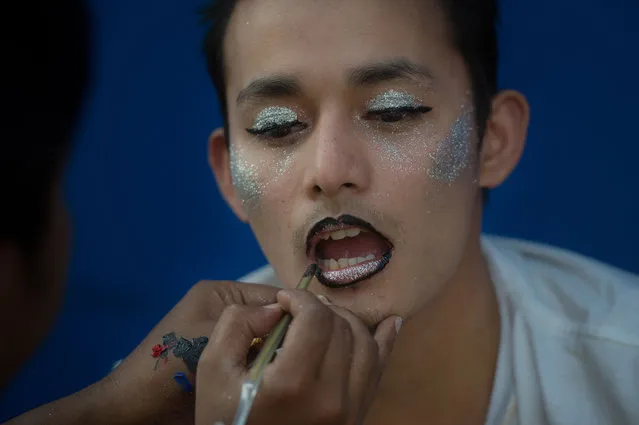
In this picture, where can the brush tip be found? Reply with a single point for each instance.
(311, 270)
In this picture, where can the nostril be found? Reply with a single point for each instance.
(319, 189)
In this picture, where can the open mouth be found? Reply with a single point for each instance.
(347, 250)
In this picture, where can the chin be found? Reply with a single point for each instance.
(367, 300)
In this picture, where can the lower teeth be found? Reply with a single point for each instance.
(345, 262)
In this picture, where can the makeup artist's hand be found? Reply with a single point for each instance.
(137, 393)
(146, 395)
(326, 373)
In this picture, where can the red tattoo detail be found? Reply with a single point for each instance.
(158, 350)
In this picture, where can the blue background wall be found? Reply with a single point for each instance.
(149, 221)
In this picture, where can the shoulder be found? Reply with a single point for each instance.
(565, 291)
(574, 333)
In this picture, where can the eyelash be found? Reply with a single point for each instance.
(271, 131)
(410, 112)
(280, 131)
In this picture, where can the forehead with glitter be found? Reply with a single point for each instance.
(274, 116)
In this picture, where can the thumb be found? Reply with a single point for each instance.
(385, 336)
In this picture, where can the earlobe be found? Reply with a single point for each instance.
(219, 161)
(504, 138)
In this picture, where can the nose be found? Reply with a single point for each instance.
(339, 161)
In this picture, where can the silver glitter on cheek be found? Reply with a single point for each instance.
(252, 173)
(245, 180)
(404, 152)
(453, 154)
(274, 116)
(392, 99)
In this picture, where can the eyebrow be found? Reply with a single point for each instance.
(278, 86)
(269, 87)
(395, 69)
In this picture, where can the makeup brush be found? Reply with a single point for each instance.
(256, 372)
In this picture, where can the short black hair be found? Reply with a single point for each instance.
(473, 32)
(46, 64)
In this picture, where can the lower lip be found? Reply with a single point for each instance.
(352, 275)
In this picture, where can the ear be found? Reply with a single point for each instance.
(504, 139)
(220, 163)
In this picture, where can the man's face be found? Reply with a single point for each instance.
(353, 145)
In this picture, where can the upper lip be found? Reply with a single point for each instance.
(330, 224)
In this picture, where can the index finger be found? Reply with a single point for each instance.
(252, 294)
(308, 335)
(231, 339)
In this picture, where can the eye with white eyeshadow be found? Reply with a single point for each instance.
(394, 106)
(276, 122)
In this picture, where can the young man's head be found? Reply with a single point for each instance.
(45, 63)
(359, 135)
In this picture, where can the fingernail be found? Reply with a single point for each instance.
(398, 323)
(323, 299)
(275, 306)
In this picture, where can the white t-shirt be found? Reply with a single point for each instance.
(569, 350)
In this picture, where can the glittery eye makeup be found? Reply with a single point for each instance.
(275, 122)
(255, 167)
(393, 99)
(393, 106)
(442, 154)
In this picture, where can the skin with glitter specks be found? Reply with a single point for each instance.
(450, 155)
(251, 176)
(449, 158)
(246, 179)
(455, 153)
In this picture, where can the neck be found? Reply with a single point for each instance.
(444, 359)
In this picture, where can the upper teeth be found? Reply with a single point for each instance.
(341, 234)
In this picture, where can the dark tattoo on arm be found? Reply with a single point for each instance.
(187, 350)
